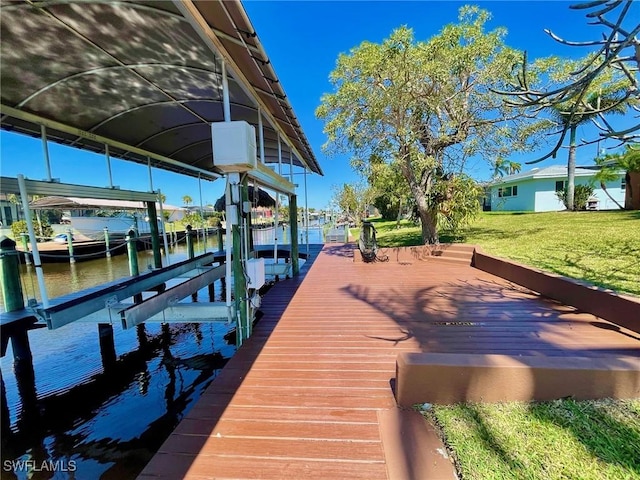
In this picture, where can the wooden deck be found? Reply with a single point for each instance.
(310, 394)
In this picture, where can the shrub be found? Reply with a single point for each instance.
(581, 195)
(43, 229)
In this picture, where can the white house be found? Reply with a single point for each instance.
(536, 189)
(9, 212)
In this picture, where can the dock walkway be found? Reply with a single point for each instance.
(310, 394)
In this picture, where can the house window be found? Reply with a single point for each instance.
(508, 191)
(560, 185)
(623, 184)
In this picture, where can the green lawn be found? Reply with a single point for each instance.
(600, 247)
(564, 439)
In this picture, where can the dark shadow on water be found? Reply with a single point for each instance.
(113, 422)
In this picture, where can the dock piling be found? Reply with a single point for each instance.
(155, 235)
(219, 233)
(132, 251)
(25, 245)
(190, 251)
(25, 378)
(107, 345)
(10, 275)
(106, 242)
(70, 245)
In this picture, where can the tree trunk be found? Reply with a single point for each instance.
(632, 193)
(604, 189)
(428, 216)
(428, 220)
(420, 191)
(571, 171)
(399, 213)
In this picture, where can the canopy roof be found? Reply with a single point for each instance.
(73, 203)
(143, 77)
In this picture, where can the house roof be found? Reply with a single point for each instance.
(553, 171)
(143, 77)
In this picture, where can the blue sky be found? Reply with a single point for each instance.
(303, 40)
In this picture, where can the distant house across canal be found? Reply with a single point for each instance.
(535, 190)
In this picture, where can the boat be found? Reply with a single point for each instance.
(118, 225)
(91, 216)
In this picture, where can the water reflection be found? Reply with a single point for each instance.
(100, 398)
(113, 421)
(97, 397)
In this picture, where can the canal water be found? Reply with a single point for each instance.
(83, 412)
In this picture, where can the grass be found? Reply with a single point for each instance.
(591, 440)
(602, 248)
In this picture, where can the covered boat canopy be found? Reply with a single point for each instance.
(143, 80)
(77, 203)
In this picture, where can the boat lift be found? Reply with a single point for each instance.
(240, 121)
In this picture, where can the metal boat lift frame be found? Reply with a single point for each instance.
(222, 28)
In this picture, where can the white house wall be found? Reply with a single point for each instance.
(524, 201)
(546, 198)
(604, 202)
(538, 195)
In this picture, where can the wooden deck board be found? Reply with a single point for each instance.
(303, 398)
(213, 466)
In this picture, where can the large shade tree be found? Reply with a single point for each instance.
(389, 188)
(424, 107)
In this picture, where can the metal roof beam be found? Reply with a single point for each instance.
(266, 177)
(42, 187)
(202, 28)
(38, 120)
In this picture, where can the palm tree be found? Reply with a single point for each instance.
(187, 200)
(611, 165)
(15, 200)
(608, 173)
(598, 99)
(504, 167)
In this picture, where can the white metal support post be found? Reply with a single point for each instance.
(261, 135)
(226, 104)
(106, 154)
(150, 175)
(292, 228)
(228, 240)
(290, 164)
(279, 155)
(164, 230)
(202, 223)
(306, 209)
(45, 151)
(34, 244)
(277, 212)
